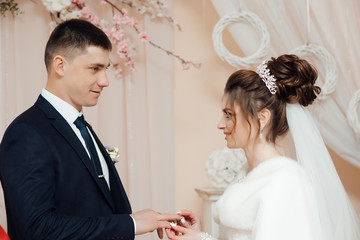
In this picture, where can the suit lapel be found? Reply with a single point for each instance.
(65, 130)
(117, 189)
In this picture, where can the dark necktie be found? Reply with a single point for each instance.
(81, 124)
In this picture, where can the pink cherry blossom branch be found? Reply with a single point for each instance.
(134, 6)
(186, 64)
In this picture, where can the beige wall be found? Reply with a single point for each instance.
(197, 105)
(197, 100)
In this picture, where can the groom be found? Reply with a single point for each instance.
(58, 180)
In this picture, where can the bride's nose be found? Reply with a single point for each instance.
(221, 124)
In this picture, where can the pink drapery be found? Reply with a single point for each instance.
(135, 113)
(331, 24)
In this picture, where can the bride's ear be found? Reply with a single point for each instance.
(264, 117)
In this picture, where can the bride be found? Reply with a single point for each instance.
(279, 198)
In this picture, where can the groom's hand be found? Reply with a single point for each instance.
(148, 220)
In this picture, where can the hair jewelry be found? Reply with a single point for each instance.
(267, 78)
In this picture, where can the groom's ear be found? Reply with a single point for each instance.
(264, 117)
(58, 64)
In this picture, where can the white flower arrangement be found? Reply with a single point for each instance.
(56, 5)
(224, 165)
(114, 153)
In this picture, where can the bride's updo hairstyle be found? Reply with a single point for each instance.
(295, 79)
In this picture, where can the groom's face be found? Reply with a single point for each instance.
(85, 77)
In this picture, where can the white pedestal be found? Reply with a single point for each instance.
(209, 197)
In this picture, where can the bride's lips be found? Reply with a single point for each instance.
(227, 134)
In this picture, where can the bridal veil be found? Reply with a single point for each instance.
(338, 218)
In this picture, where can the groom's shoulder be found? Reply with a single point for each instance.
(33, 115)
(30, 114)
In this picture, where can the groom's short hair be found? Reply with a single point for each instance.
(72, 37)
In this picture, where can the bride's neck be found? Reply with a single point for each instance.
(259, 153)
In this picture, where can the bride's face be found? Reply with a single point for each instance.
(235, 126)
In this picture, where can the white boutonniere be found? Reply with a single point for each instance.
(113, 153)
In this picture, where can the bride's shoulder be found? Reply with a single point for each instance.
(278, 171)
(286, 162)
(278, 165)
(287, 171)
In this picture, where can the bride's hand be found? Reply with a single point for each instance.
(182, 233)
(191, 221)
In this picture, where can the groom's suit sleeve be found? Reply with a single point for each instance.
(30, 179)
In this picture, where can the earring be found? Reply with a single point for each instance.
(260, 135)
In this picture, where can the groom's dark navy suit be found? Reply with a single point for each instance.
(50, 185)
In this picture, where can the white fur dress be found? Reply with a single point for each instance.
(275, 201)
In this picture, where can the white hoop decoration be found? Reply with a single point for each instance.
(228, 57)
(328, 60)
(352, 113)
